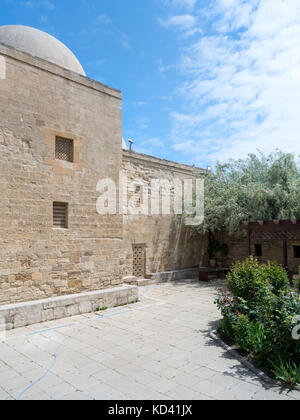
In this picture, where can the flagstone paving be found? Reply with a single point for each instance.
(157, 348)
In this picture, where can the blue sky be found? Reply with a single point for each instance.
(202, 80)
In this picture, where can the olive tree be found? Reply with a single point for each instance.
(259, 187)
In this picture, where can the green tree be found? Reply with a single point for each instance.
(261, 187)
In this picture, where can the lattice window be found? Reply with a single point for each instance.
(139, 260)
(60, 215)
(64, 149)
(279, 235)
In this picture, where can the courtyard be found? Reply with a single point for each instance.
(156, 349)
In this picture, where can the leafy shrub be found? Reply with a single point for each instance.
(287, 371)
(258, 341)
(250, 336)
(227, 306)
(246, 280)
(241, 329)
(275, 275)
(225, 327)
(278, 322)
(259, 309)
(297, 282)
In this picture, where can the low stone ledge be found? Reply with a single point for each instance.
(28, 313)
(163, 277)
(131, 280)
(189, 273)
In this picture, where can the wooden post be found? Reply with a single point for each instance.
(285, 255)
(249, 241)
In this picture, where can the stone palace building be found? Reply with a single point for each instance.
(60, 133)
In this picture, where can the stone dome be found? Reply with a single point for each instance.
(40, 44)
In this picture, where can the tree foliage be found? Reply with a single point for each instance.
(261, 187)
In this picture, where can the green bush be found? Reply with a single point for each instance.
(258, 340)
(259, 309)
(246, 280)
(286, 371)
(278, 322)
(275, 275)
(225, 327)
(297, 282)
(249, 278)
(241, 329)
(250, 336)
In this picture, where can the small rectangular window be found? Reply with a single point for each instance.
(64, 149)
(60, 215)
(258, 250)
(297, 251)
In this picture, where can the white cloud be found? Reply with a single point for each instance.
(242, 81)
(103, 19)
(188, 5)
(142, 122)
(149, 146)
(124, 40)
(234, 14)
(179, 21)
(156, 142)
(37, 3)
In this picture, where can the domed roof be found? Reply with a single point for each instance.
(40, 44)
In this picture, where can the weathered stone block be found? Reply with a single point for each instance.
(37, 276)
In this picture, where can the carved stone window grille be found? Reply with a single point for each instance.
(139, 260)
(64, 149)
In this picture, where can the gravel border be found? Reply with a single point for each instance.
(261, 375)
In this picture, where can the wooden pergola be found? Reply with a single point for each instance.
(275, 230)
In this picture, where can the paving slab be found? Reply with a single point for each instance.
(157, 348)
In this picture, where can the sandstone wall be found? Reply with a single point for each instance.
(169, 244)
(38, 101)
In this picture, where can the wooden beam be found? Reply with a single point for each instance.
(249, 242)
(285, 255)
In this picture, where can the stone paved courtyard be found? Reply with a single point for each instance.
(157, 348)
